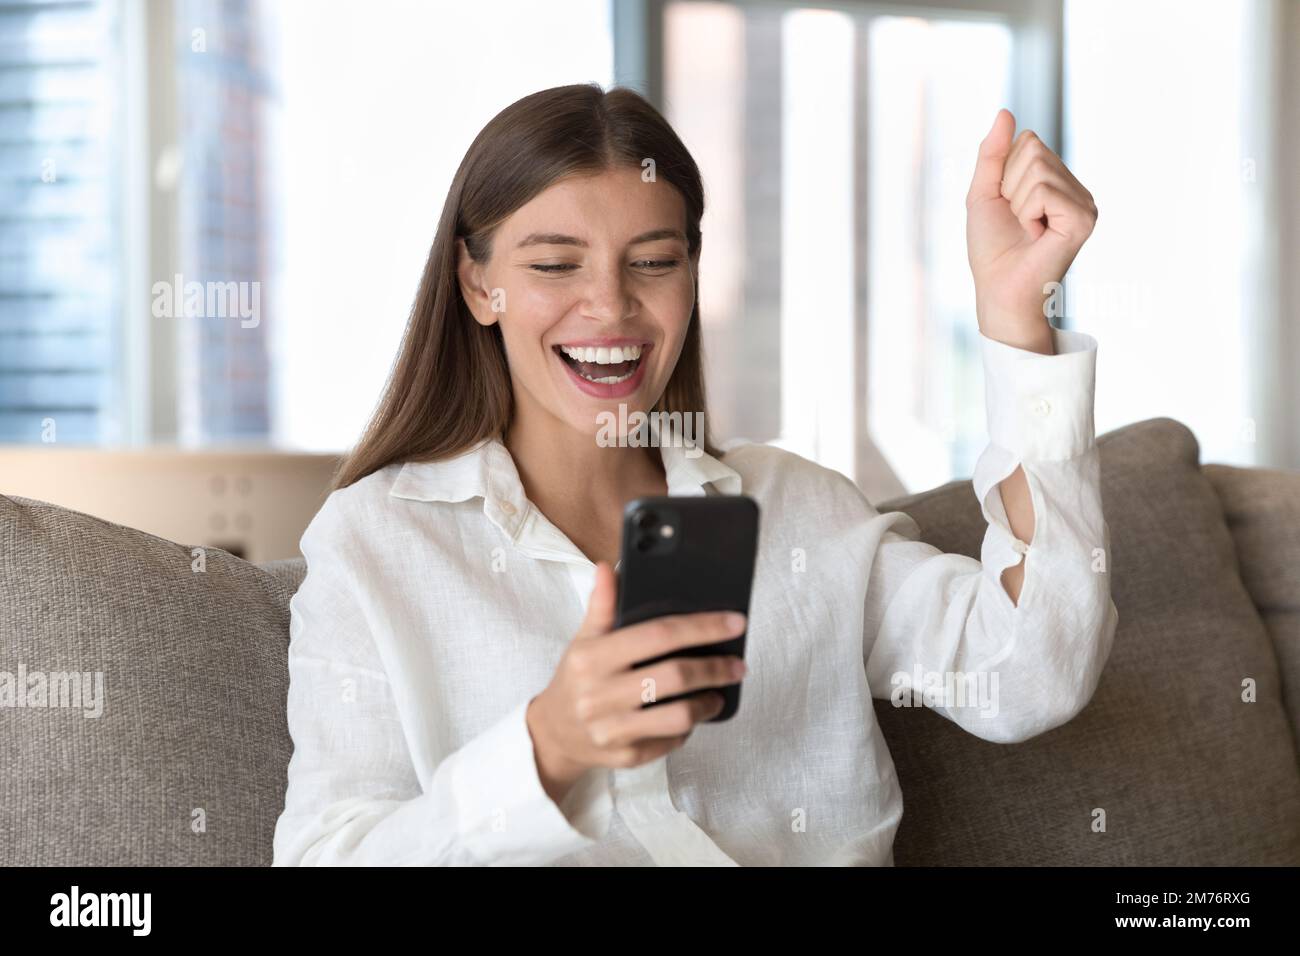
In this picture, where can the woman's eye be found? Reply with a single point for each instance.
(563, 267)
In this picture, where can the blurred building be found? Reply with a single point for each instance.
(224, 104)
(60, 304)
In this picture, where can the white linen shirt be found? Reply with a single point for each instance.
(438, 602)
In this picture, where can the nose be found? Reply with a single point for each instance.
(608, 295)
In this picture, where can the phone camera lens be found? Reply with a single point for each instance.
(645, 520)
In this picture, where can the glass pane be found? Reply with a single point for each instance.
(934, 88)
(59, 289)
(1184, 218)
(373, 134)
(817, 238)
(225, 91)
(763, 98)
(819, 183)
(721, 79)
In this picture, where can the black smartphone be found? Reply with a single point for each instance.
(684, 554)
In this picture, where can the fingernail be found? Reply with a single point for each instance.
(736, 621)
(738, 668)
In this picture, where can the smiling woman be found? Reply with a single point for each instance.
(573, 221)
(621, 269)
(460, 576)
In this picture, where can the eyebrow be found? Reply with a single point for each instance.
(559, 239)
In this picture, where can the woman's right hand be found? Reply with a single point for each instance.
(591, 714)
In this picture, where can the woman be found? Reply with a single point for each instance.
(458, 694)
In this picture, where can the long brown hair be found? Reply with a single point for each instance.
(450, 386)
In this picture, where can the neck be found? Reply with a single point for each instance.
(560, 465)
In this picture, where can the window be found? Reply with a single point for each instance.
(1175, 279)
(372, 137)
(836, 148)
(171, 168)
(225, 96)
(934, 86)
(59, 159)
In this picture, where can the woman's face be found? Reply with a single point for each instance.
(593, 287)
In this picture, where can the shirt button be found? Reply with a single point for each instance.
(1019, 547)
(1042, 407)
(507, 507)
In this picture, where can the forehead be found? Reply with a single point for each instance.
(609, 204)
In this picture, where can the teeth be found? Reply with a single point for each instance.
(602, 356)
(609, 379)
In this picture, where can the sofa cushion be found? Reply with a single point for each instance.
(186, 762)
(1187, 773)
(1263, 511)
(288, 571)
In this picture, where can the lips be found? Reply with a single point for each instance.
(628, 375)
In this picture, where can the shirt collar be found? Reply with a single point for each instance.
(487, 470)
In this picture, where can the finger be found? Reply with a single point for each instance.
(1067, 221)
(1044, 174)
(665, 679)
(634, 755)
(1033, 154)
(651, 723)
(987, 181)
(602, 605)
(1076, 188)
(1024, 148)
(654, 638)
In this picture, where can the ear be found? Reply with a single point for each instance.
(476, 295)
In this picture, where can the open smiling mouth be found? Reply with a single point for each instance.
(603, 366)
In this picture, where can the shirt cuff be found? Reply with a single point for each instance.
(506, 816)
(1040, 407)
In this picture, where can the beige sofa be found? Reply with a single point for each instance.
(1169, 764)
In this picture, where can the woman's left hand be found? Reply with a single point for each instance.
(1026, 219)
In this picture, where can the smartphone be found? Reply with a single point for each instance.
(684, 554)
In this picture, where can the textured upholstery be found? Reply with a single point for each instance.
(186, 762)
(1262, 507)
